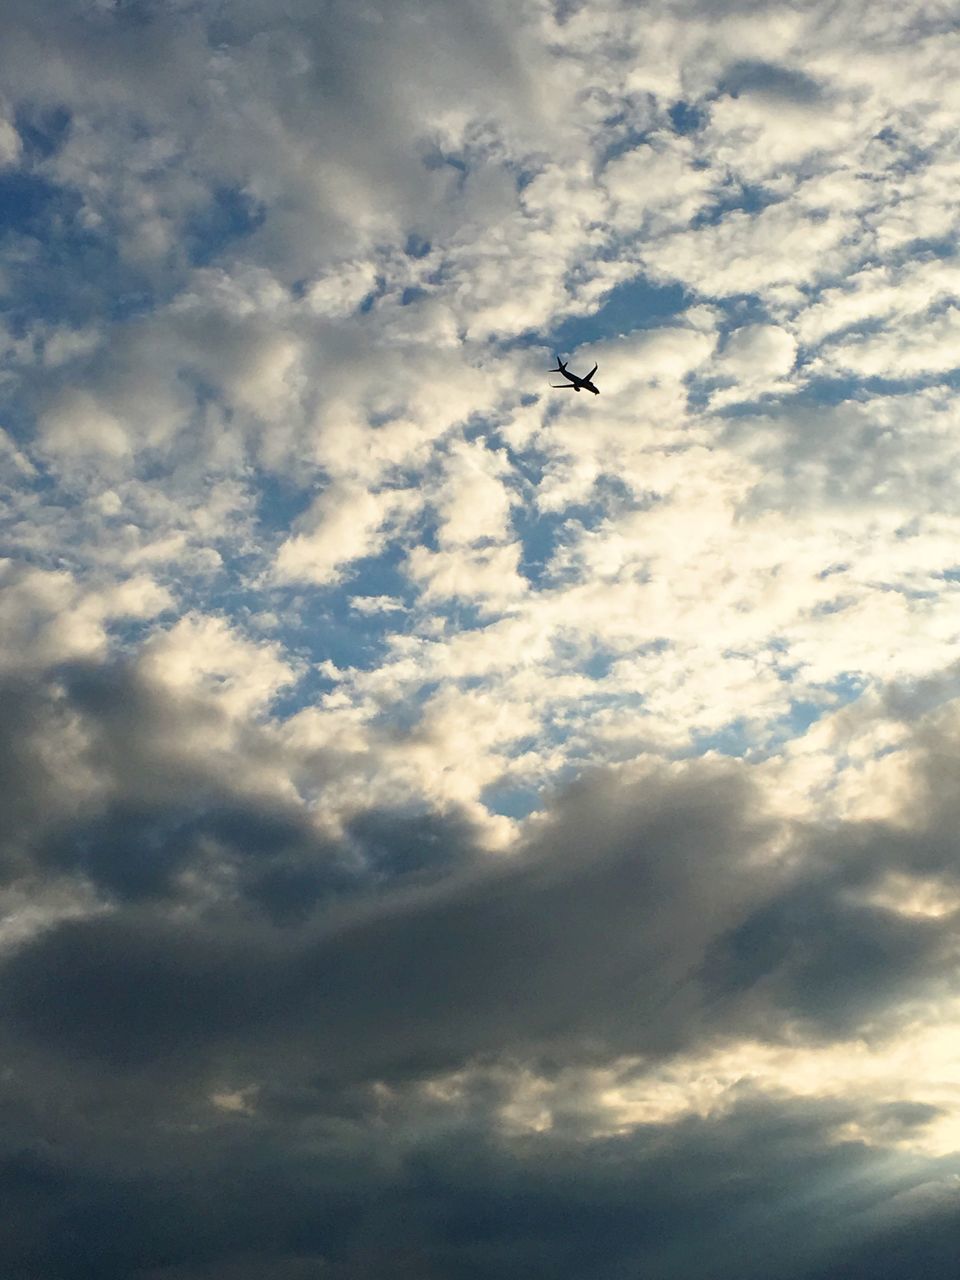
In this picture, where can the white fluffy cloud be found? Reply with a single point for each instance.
(47, 616)
(345, 524)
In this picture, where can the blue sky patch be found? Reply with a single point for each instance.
(636, 304)
(231, 215)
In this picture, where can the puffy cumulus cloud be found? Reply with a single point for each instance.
(876, 293)
(772, 117)
(375, 604)
(668, 353)
(78, 425)
(474, 503)
(863, 760)
(340, 291)
(115, 404)
(644, 373)
(756, 359)
(883, 457)
(345, 524)
(658, 184)
(47, 616)
(253, 107)
(927, 345)
(556, 224)
(704, 591)
(759, 351)
(477, 560)
(204, 654)
(485, 575)
(780, 245)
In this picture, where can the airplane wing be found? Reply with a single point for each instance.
(591, 373)
(563, 386)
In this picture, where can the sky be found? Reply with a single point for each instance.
(457, 829)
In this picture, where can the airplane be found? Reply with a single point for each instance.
(577, 384)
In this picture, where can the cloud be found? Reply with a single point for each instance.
(475, 503)
(48, 616)
(875, 293)
(756, 357)
(348, 523)
(486, 575)
(9, 144)
(756, 252)
(203, 653)
(658, 182)
(375, 604)
(650, 913)
(927, 345)
(759, 351)
(449, 826)
(603, 925)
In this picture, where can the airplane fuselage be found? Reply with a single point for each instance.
(573, 382)
(580, 384)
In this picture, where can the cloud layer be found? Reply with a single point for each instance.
(454, 829)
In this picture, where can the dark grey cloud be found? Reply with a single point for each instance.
(635, 919)
(816, 953)
(924, 1244)
(418, 956)
(157, 815)
(767, 80)
(638, 917)
(31, 785)
(761, 1191)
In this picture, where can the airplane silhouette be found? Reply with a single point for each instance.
(577, 384)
